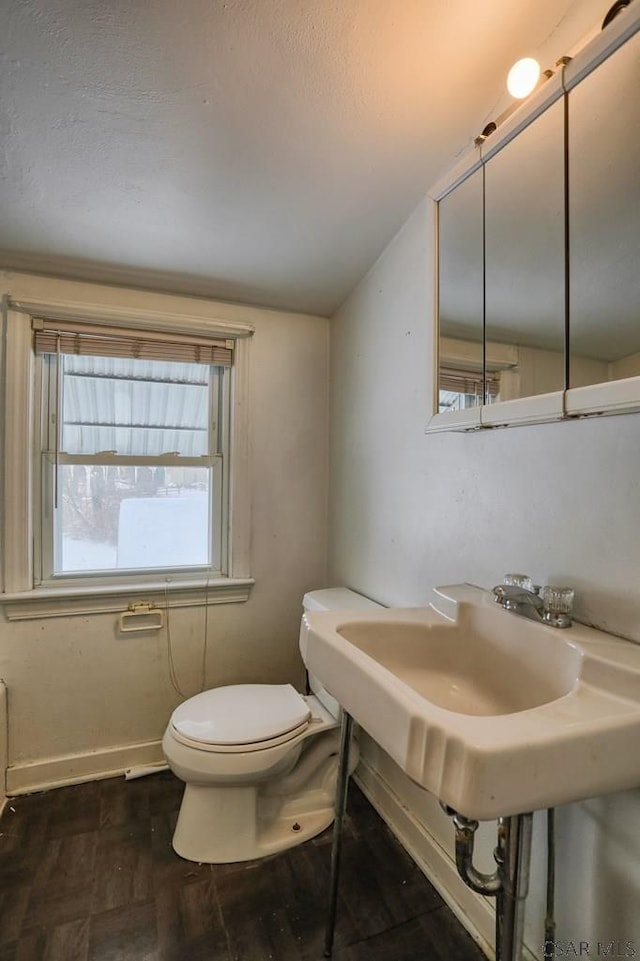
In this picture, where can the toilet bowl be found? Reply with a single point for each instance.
(259, 762)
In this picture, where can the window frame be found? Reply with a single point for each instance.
(20, 493)
(47, 398)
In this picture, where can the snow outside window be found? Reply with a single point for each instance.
(132, 464)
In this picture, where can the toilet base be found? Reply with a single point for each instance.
(257, 808)
(224, 825)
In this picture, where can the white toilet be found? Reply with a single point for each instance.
(259, 762)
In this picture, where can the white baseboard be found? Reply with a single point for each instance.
(76, 768)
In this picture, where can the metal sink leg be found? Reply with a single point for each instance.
(338, 828)
(513, 856)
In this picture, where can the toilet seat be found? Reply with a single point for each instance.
(241, 718)
(251, 746)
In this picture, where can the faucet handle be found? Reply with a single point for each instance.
(558, 605)
(518, 580)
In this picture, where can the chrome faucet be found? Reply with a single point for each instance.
(520, 601)
(552, 606)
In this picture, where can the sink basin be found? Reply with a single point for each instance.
(493, 713)
(467, 667)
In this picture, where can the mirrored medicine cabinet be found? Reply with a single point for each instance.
(539, 251)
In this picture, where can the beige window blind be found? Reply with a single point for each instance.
(468, 382)
(52, 336)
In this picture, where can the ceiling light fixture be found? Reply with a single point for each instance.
(523, 77)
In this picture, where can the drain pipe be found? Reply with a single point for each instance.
(508, 884)
(488, 884)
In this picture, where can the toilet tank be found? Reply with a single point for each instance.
(333, 599)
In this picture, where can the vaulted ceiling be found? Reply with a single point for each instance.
(263, 151)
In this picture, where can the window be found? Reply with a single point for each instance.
(132, 455)
(125, 445)
(460, 389)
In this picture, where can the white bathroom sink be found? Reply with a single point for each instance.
(493, 713)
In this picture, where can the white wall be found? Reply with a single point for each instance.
(81, 692)
(410, 510)
(625, 367)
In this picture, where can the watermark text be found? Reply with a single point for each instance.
(590, 949)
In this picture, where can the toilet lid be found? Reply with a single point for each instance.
(240, 714)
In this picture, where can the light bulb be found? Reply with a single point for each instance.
(523, 77)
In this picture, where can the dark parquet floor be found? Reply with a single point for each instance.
(87, 873)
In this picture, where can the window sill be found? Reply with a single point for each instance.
(103, 599)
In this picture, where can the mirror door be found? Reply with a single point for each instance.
(604, 218)
(525, 260)
(460, 285)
